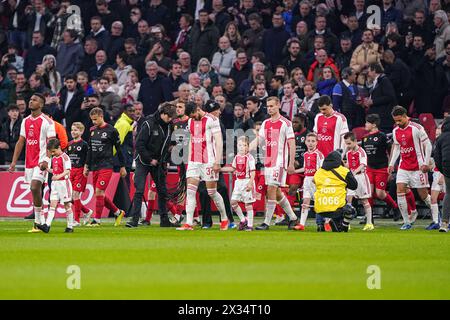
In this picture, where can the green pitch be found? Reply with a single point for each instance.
(156, 263)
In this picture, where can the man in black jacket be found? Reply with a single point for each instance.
(70, 99)
(442, 160)
(400, 75)
(152, 153)
(382, 97)
(9, 134)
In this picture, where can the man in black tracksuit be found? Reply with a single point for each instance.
(152, 147)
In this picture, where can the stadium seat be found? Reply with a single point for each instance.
(360, 132)
(427, 121)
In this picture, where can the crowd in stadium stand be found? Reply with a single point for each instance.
(117, 53)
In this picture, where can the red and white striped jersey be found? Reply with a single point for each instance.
(244, 165)
(330, 132)
(276, 134)
(60, 164)
(411, 140)
(202, 133)
(36, 131)
(355, 158)
(312, 162)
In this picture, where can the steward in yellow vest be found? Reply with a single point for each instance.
(332, 181)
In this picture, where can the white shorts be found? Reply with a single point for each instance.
(242, 195)
(201, 171)
(35, 174)
(309, 188)
(275, 176)
(363, 191)
(414, 179)
(61, 191)
(435, 186)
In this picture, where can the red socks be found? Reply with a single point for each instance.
(110, 205)
(77, 210)
(99, 205)
(390, 202)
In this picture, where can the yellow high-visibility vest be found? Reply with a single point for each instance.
(331, 191)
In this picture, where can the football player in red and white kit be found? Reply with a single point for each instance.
(278, 139)
(357, 163)
(60, 166)
(205, 157)
(312, 161)
(35, 131)
(243, 166)
(330, 127)
(412, 144)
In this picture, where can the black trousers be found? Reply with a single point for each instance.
(159, 177)
(205, 201)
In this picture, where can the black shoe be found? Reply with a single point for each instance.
(397, 214)
(320, 228)
(132, 224)
(68, 230)
(284, 222)
(146, 223)
(29, 217)
(165, 223)
(43, 227)
(263, 226)
(292, 224)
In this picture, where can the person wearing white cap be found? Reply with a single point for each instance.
(442, 32)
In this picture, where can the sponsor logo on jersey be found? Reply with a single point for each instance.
(406, 150)
(32, 142)
(323, 137)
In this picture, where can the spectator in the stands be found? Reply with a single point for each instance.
(83, 81)
(129, 91)
(116, 45)
(90, 48)
(108, 99)
(196, 86)
(101, 63)
(238, 113)
(182, 37)
(219, 15)
(305, 13)
(364, 55)
(186, 66)
(344, 56)
(252, 38)
(301, 32)
(36, 53)
(331, 41)
(99, 33)
(135, 60)
(172, 82)
(322, 60)
(37, 84)
(223, 59)
(70, 54)
(232, 33)
(241, 68)
(70, 99)
(203, 38)
(295, 58)
(9, 134)
(122, 68)
(274, 40)
(12, 59)
(327, 81)
(441, 21)
(151, 91)
(247, 85)
(390, 14)
(354, 32)
(345, 99)
(208, 76)
(107, 16)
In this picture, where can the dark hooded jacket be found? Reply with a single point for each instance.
(442, 150)
(153, 140)
(334, 161)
